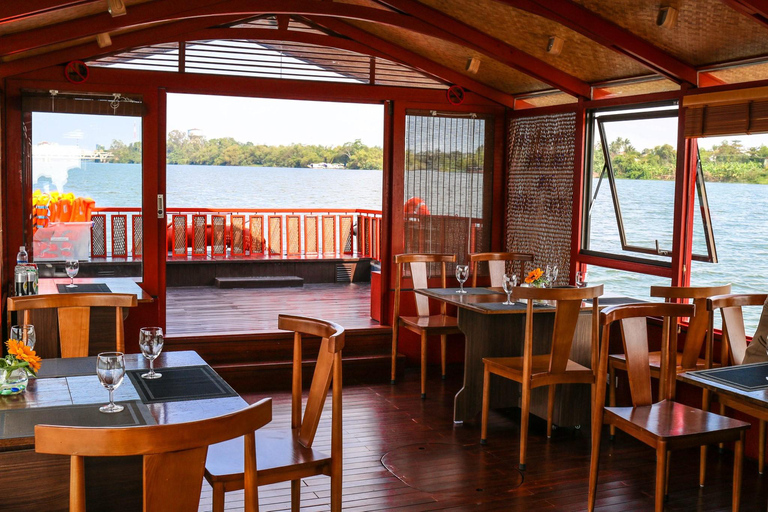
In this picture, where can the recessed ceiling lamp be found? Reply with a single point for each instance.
(473, 65)
(555, 45)
(103, 40)
(116, 7)
(667, 17)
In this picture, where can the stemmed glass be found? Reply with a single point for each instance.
(508, 283)
(581, 279)
(110, 367)
(551, 275)
(72, 266)
(462, 274)
(151, 344)
(24, 333)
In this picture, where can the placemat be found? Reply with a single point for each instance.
(500, 306)
(69, 367)
(470, 291)
(21, 422)
(181, 383)
(750, 377)
(84, 288)
(614, 301)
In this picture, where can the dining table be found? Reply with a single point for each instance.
(494, 329)
(68, 392)
(745, 383)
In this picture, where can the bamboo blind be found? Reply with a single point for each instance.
(741, 118)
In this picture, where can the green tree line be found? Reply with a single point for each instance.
(728, 162)
(182, 149)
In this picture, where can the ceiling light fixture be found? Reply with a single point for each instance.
(473, 65)
(667, 17)
(555, 45)
(116, 7)
(103, 40)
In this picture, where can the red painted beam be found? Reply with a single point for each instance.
(400, 54)
(755, 9)
(21, 8)
(495, 48)
(607, 33)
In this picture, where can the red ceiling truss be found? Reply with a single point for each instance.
(755, 9)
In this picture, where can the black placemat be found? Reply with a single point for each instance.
(615, 301)
(500, 306)
(749, 377)
(84, 288)
(180, 383)
(21, 422)
(470, 291)
(69, 367)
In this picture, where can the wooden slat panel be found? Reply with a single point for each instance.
(179, 223)
(199, 235)
(218, 235)
(311, 239)
(236, 227)
(275, 234)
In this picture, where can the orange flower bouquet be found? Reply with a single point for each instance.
(16, 367)
(536, 278)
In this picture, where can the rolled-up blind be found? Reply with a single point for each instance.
(68, 103)
(727, 113)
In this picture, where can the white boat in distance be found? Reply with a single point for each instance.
(324, 165)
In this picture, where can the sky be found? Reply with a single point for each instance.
(256, 120)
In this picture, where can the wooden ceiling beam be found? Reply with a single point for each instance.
(755, 9)
(495, 48)
(400, 54)
(10, 10)
(587, 23)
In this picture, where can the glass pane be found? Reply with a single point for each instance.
(86, 172)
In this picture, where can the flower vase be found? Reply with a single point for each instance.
(13, 382)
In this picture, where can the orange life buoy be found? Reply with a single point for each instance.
(416, 206)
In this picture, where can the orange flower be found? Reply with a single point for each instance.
(534, 275)
(23, 353)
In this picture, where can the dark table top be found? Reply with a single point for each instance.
(758, 397)
(73, 382)
(47, 286)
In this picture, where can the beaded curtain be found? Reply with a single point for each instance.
(540, 189)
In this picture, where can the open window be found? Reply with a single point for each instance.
(630, 187)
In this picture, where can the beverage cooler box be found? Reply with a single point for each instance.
(63, 241)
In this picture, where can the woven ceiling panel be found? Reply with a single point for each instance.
(742, 73)
(540, 189)
(549, 100)
(643, 87)
(707, 31)
(491, 72)
(580, 57)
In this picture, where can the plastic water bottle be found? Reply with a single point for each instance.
(22, 257)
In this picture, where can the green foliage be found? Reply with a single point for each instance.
(729, 162)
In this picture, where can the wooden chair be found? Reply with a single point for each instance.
(424, 324)
(288, 455)
(689, 359)
(174, 455)
(551, 369)
(665, 425)
(497, 264)
(74, 313)
(734, 345)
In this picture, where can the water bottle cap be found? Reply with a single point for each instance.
(22, 248)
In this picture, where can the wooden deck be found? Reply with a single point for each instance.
(453, 472)
(200, 310)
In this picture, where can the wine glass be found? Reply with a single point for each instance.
(508, 283)
(110, 367)
(462, 274)
(581, 279)
(551, 275)
(151, 344)
(24, 333)
(72, 267)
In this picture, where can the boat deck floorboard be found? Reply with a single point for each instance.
(196, 310)
(462, 475)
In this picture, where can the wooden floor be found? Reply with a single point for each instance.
(197, 310)
(439, 466)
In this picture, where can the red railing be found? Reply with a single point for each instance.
(242, 233)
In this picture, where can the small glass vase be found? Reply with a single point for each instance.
(13, 382)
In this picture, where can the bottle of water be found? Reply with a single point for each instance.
(22, 257)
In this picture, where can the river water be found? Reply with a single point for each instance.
(739, 212)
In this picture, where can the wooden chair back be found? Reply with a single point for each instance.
(699, 324)
(567, 308)
(418, 265)
(327, 369)
(74, 314)
(730, 306)
(634, 335)
(174, 455)
(497, 262)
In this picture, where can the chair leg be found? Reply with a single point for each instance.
(218, 497)
(486, 404)
(550, 409)
(526, 407)
(336, 490)
(661, 466)
(721, 446)
(612, 395)
(295, 495)
(593, 465)
(706, 400)
(424, 364)
(443, 344)
(666, 474)
(761, 444)
(738, 455)
(395, 333)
